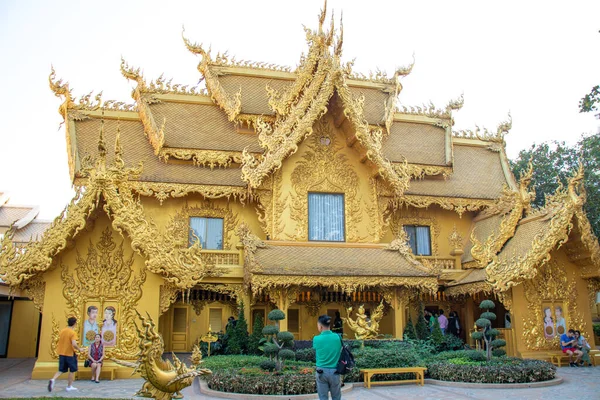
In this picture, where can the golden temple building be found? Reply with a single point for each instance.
(306, 189)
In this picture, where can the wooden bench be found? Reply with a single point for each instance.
(87, 372)
(559, 358)
(369, 372)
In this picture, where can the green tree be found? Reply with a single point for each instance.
(437, 337)
(238, 335)
(409, 330)
(421, 327)
(556, 161)
(590, 101)
(280, 344)
(487, 333)
(256, 336)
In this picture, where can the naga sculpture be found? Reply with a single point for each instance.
(362, 327)
(164, 381)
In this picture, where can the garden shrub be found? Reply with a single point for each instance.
(267, 365)
(409, 331)
(238, 335)
(369, 357)
(421, 326)
(254, 339)
(235, 362)
(306, 355)
(504, 370)
(597, 329)
(265, 383)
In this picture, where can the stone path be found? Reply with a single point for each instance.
(579, 383)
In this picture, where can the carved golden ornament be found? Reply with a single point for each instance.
(496, 139)
(232, 105)
(167, 296)
(163, 380)
(400, 244)
(468, 289)
(233, 290)
(347, 284)
(362, 327)
(325, 168)
(457, 204)
(74, 109)
(54, 337)
(180, 222)
(162, 191)
(283, 297)
(554, 285)
(402, 217)
(251, 243)
(204, 158)
(35, 289)
(105, 274)
(561, 209)
(378, 213)
(418, 171)
(182, 266)
(271, 205)
(159, 85)
(593, 286)
(91, 335)
(506, 298)
(455, 239)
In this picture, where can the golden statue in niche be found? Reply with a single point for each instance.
(365, 326)
(164, 380)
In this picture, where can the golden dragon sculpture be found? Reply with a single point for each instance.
(164, 380)
(363, 327)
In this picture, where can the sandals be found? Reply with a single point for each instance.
(97, 381)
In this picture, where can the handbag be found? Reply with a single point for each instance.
(346, 361)
(86, 363)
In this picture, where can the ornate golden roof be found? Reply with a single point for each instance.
(107, 188)
(544, 231)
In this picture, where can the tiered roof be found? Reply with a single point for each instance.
(231, 135)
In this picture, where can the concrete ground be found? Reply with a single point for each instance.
(579, 383)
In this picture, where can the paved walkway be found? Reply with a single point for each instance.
(579, 384)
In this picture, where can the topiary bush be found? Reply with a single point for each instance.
(421, 327)
(238, 335)
(279, 344)
(309, 355)
(487, 333)
(267, 365)
(505, 370)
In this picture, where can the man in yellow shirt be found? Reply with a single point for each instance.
(67, 360)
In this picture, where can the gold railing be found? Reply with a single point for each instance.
(438, 263)
(223, 257)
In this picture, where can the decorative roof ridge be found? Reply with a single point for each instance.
(159, 85)
(232, 105)
(128, 217)
(74, 109)
(431, 111)
(511, 206)
(496, 139)
(567, 205)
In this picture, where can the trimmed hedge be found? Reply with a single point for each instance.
(265, 383)
(233, 362)
(504, 370)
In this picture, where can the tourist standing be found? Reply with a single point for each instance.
(568, 343)
(328, 347)
(443, 322)
(67, 360)
(453, 324)
(338, 324)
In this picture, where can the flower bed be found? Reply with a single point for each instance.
(501, 370)
(256, 381)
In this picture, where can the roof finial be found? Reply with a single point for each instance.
(404, 70)
(194, 47)
(576, 188)
(101, 143)
(322, 17)
(504, 127)
(130, 73)
(118, 148)
(340, 38)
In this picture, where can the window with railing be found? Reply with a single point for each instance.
(208, 230)
(419, 239)
(326, 217)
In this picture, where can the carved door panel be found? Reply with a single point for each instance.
(180, 329)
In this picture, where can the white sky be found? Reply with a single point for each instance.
(535, 59)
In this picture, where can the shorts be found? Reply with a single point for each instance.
(572, 349)
(67, 364)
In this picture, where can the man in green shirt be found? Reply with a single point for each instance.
(328, 346)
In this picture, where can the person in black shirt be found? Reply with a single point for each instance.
(338, 324)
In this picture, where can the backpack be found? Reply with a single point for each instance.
(346, 362)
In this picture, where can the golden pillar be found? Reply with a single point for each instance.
(399, 302)
(283, 298)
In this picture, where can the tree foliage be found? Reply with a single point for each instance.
(238, 335)
(254, 339)
(409, 330)
(421, 327)
(590, 101)
(487, 333)
(555, 162)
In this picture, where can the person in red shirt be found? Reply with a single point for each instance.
(67, 359)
